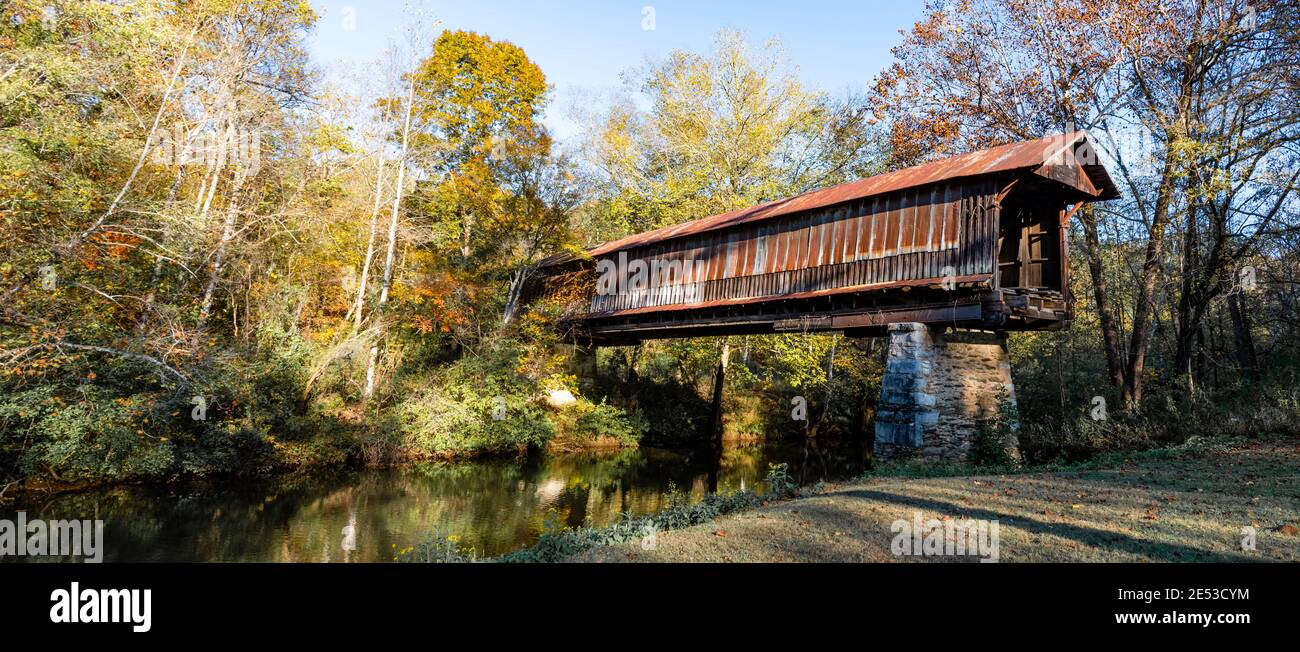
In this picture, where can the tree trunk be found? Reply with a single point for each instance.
(515, 294)
(156, 278)
(219, 257)
(1144, 306)
(397, 197)
(715, 437)
(359, 306)
(1185, 349)
(719, 380)
(1198, 278)
(216, 175)
(1245, 343)
(815, 428)
(1144, 309)
(1109, 326)
(1199, 375)
(633, 358)
(392, 233)
(467, 229)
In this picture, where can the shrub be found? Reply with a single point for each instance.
(585, 423)
(1082, 439)
(779, 482)
(995, 441)
(456, 416)
(93, 438)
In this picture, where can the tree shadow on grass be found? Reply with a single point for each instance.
(1093, 537)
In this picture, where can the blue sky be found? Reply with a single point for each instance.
(583, 47)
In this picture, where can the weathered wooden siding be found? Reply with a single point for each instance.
(905, 235)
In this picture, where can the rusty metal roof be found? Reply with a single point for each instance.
(1052, 157)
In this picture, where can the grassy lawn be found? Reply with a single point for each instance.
(1187, 504)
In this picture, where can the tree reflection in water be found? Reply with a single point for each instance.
(492, 506)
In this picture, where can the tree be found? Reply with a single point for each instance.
(974, 74)
(725, 129)
(391, 250)
(542, 190)
(472, 94)
(1241, 171)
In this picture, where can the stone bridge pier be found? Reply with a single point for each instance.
(580, 361)
(938, 385)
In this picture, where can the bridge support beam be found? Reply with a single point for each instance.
(936, 389)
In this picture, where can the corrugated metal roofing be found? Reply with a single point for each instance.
(1045, 156)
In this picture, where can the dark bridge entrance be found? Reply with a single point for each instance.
(974, 242)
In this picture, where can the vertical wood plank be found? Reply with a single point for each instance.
(906, 221)
(950, 213)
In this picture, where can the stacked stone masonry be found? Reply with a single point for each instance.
(937, 387)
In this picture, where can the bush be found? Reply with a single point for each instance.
(1082, 439)
(93, 438)
(585, 423)
(994, 443)
(671, 412)
(460, 417)
(1260, 408)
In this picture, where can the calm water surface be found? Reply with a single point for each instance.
(495, 506)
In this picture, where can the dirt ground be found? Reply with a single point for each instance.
(1156, 506)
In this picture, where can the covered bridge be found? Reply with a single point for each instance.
(945, 257)
(977, 240)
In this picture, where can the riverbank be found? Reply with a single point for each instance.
(37, 487)
(1189, 503)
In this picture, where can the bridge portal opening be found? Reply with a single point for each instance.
(1030, 244)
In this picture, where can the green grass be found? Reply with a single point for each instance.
(1185, 503)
